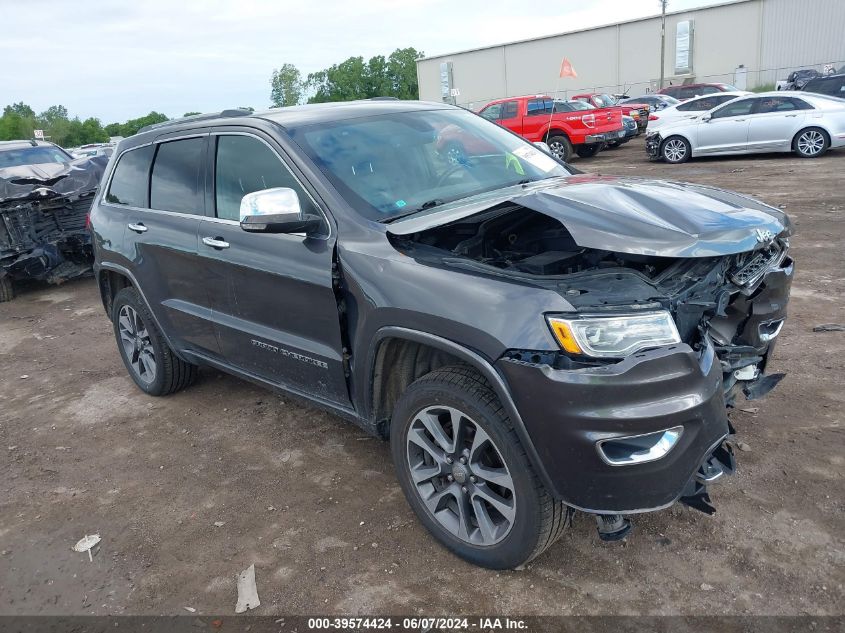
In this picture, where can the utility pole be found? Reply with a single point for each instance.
(662, 41)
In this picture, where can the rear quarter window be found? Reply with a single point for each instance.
(130, 182)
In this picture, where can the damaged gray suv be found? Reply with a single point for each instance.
(531, 341)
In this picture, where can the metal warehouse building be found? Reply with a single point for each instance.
(748, 43)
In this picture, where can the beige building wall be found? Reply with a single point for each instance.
(765, 36)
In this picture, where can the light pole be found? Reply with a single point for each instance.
(662, 41)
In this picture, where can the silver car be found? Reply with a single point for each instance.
(808, 125)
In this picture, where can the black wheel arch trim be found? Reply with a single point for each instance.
(126, 273)
(475, 360)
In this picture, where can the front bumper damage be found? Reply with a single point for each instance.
(43, 215)
(681, 392)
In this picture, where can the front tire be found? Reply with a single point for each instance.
(465, 474)
(7, 290)
(149, 360)
(560, 146)
(676, 149)
(811, 143)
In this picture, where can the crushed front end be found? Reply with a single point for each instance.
(623, 433)
(43, 217)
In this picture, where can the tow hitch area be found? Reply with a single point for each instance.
(43, 216)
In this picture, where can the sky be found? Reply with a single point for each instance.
(120, 59)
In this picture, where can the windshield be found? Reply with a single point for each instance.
(396, 164)
(32, 156)
(604, 101)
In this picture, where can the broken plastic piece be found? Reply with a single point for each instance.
(829, 327)
(247, 591)
(613, 527)
(86, 543)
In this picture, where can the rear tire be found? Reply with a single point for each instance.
(588, 151)
(7, 290)
(676, 149)
(811, 142)
(465, 473)
(560, 146)
(149, 360)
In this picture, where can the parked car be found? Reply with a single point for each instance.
(45, 196)
(797, 79)
(529, 340)
(654, 101)
(690, 109)
(534, 118)
(636, 110)
(831, 85)
(808, 125)
(682, 92)
(613, 140)
(96, 149)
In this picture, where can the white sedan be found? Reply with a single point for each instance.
(808, 125)
(690, 109)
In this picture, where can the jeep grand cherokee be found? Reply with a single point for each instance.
(530, 340)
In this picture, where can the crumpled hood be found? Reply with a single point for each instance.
(632, 215)
(64, 179)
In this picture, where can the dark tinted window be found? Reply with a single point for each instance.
(509, 111)
(833, 86)
(131, 178)
(540, 106)
(705, 103)
(492, 112)
(245, 164)
(781, 104)
(176, 183)
(673, 91)
(743, 106)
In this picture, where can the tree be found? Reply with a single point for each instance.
(191, 113)
(395, 76)
(286, 86)
(132, 126)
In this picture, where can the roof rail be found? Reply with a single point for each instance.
(232, 112)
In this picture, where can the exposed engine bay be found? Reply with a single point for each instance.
(43, 214)
(736, 301)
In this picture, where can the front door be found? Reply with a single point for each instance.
(272, 295)
(727, 129)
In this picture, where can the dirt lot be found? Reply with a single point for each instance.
(313, 502)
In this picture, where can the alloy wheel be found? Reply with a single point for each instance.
(811, 142)
(674, 150)
(558, 149)
(136, 343)
(460, 475)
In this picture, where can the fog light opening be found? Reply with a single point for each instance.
(639, 449)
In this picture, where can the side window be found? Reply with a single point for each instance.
(800, 104)
(737, 108)
(131, 178)
(509, 111)
(777, 104)
(176, 183)
(691, 106)
(244, 164)
(707, 90)
(540, 106)
(492, 112)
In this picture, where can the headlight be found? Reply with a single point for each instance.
(614, 336)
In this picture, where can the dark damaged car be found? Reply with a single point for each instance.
(531, 341)
(45, 196)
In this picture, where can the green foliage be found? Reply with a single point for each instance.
(286, 86)
(354, 78)
(191, 113)
(19, 122)
(764, 88)
(132, 126)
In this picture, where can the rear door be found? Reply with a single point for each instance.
(774, 122)
(727, 129)
(163, 206)
(537, 116)
(275, 310)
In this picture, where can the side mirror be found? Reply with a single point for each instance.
(543, 146)
(706, 117)
(275, 210)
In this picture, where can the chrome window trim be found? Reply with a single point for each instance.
(284, 163)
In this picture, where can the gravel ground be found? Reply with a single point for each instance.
(189, 490)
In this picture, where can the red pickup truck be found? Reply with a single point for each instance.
(536, 119)
(638, 111)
